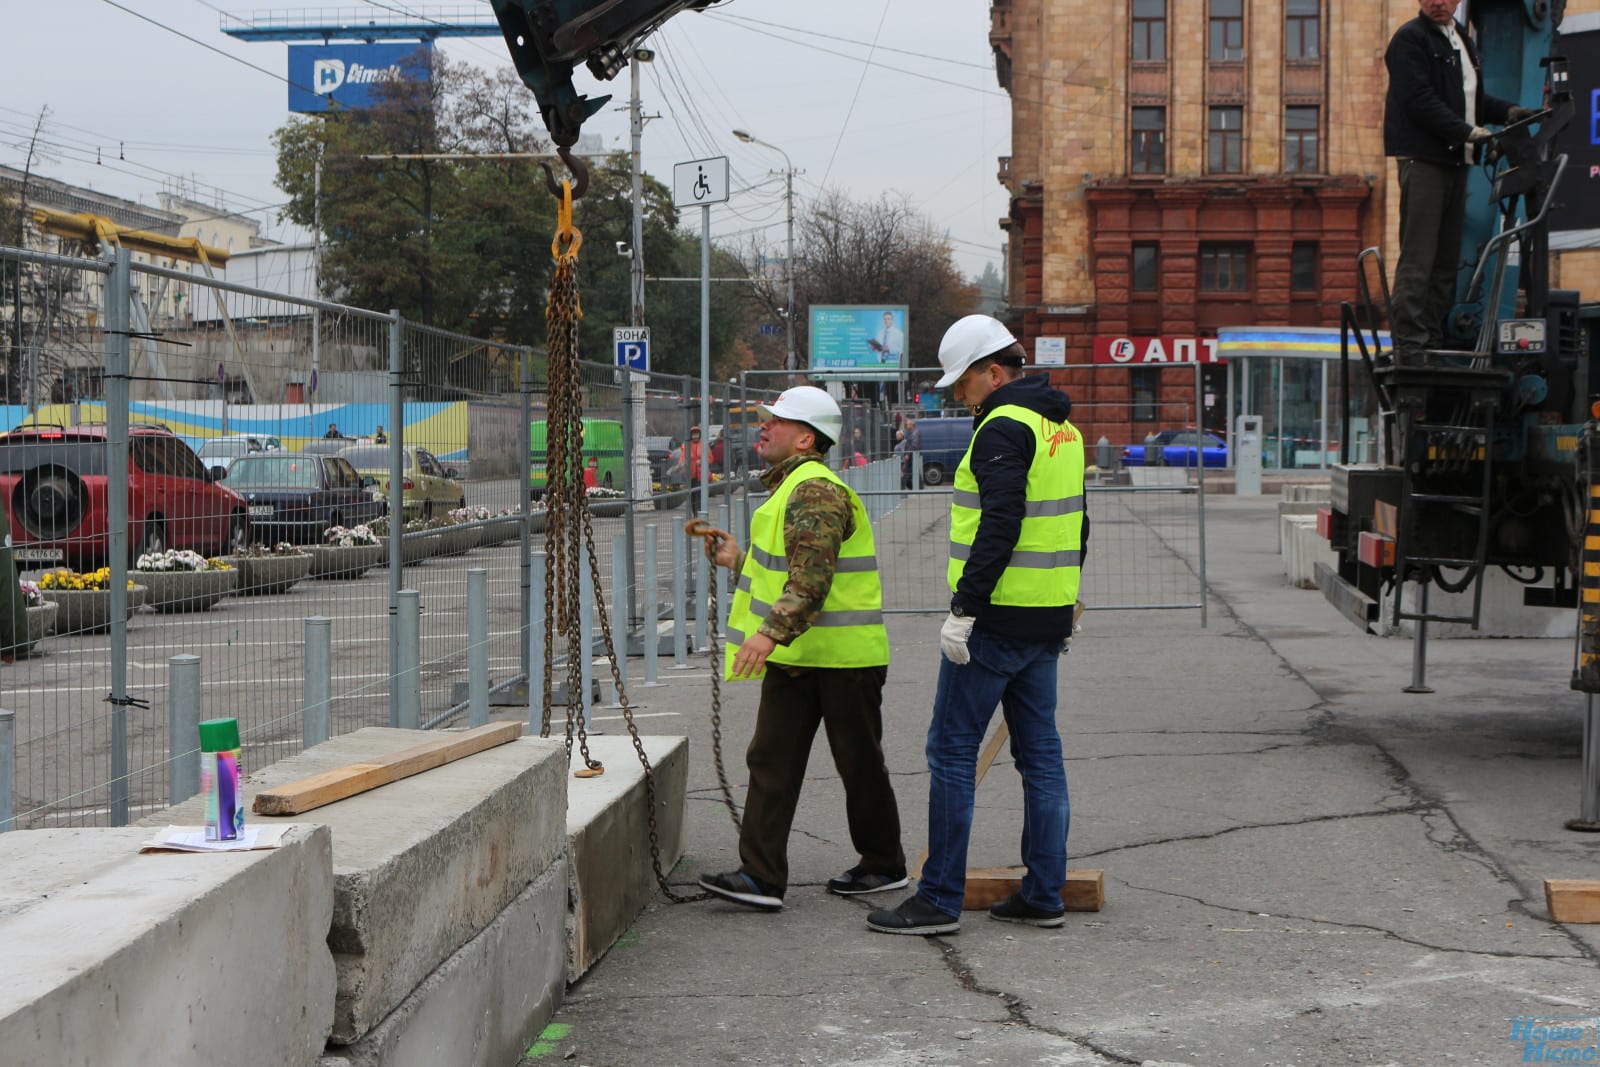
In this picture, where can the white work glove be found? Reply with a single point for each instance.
(953, 639)
(1478, 134)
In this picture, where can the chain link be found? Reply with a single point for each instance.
(701, 528)
(569, 534)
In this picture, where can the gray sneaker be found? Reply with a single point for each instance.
(914, 916)
(858, 882)
(1014, 909)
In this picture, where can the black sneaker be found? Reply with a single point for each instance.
(914, 916)
(1014, 909)
(857, 882)
(743, 889)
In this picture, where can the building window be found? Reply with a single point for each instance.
(1300, 140)
(1304, 20)
(1225, 141)
(1149, 29)
(1145, 278)
(1227, 29)
(1303, 267)
(1144, 382)
(1149, 141)
(1225, 268)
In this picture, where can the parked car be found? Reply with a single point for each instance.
(944, 443)
(296, 497)
(329, 446)
(220, 452)
(601, 449)
(53, 481)
(1178, 448)
(430, 487)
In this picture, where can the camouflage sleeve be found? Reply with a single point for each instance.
(815, 523)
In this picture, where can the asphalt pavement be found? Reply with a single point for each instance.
(1303, 864)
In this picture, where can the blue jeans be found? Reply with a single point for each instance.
(1021, 677)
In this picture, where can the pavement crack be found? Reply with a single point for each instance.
(1212, 834)
(1369, 927)
(1017, 1009)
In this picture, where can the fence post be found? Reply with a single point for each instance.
(702, 579)
(650, 597)
(585, 649)
(619, 608)
(535, 650)
(721, 621)
(680, 609)
(314, 724)
(396, 505)
(408, 680)
(530, 604)
(119, 289)
(478, 646)
(183, 727)
(8, 766)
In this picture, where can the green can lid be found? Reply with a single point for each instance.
(219, 735)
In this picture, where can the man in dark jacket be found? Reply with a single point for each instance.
(1017, 532)
(1433, 122)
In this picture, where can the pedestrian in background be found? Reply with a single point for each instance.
(1017, 531)
(807, 618)
(913, 444)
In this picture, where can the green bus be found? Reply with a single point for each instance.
(601, 450)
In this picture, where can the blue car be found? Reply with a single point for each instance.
(1178, 448)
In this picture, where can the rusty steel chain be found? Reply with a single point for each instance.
(569, 534)
(702, 528)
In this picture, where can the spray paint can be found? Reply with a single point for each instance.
(219, 779)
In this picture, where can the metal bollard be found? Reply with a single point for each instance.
(183, 727)
(478, 646)
(680, 596)
(8, 766)
(408, 683)
(650, 609)
(585, 649)
(619, 616)
(318, 710)
(536, 690)
(1589, 803)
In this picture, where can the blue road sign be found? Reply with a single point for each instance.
(633, 347)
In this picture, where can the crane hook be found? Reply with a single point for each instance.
(579, 169)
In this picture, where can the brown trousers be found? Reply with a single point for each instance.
(847, 702)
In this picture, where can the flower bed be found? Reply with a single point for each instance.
(179, 580)
(84, 600)
(606, 503)
(349, 553)
(275, 570)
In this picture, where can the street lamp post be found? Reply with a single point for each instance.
(789, 362)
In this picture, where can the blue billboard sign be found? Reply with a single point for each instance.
(321, 74)
(858, 337)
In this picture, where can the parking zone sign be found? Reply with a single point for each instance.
(633, 346)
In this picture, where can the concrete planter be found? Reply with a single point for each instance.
(416, 547)
(88, 611)
(338, 561)
(458, 540)
(42, 621)
(260, 575)
(176, 591)
(498, 531)
(611, 508)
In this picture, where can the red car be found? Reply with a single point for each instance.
(53, 482)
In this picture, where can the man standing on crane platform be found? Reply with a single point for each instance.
(1433, 122)
(1017, 533)
(807, 617)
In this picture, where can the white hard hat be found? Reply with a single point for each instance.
(968, 341)
(810, 405)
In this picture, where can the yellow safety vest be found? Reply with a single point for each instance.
(1047, 559)
(848, 631)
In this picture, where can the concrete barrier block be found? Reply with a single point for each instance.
(487, 1003)
(1294, 507)
(608, 840)
(1303, 548)
(1503, 613)
(112, 956)
(425, 864)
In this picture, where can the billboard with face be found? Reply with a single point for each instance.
(859, 337)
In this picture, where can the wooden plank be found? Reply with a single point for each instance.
(1572, 900)
(341, 782)
(1084, 890)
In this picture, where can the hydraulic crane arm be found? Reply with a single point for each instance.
(548, 38)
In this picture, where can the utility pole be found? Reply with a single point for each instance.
(14, 364)
(636, 129)
(790, 361)
(316, 287)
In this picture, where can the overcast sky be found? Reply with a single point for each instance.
(155, 108)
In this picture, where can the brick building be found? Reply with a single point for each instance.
(1180, 167)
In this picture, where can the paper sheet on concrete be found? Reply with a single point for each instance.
(193, 839)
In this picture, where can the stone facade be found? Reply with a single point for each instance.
(1080, 203)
